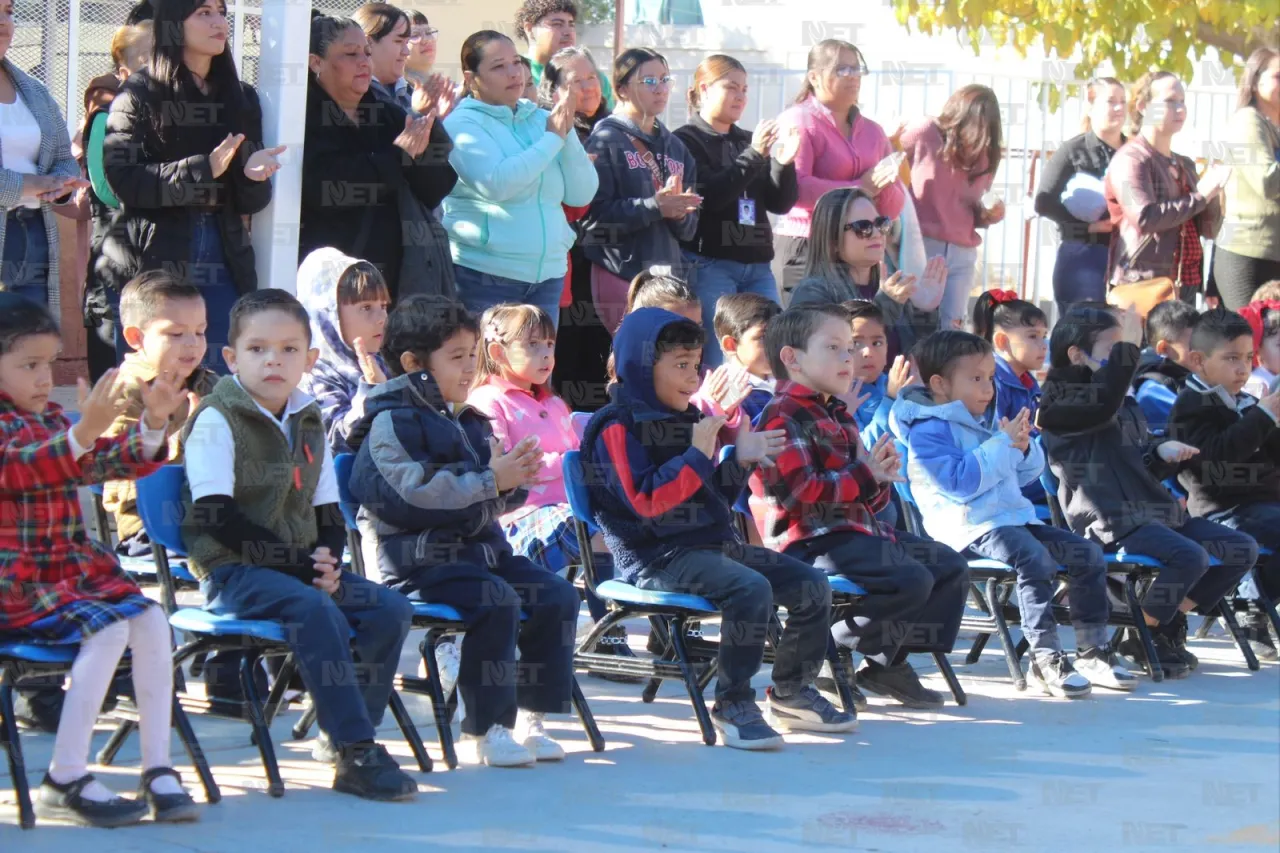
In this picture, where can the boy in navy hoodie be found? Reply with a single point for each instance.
(666, 510)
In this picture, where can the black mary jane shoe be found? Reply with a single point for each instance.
(167, 808)
(64, 803)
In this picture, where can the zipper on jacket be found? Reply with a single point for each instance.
(476, 458)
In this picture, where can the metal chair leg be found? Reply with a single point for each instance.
(439, 704)
(691, 683)
(1140, 626)
(838, 675)
(198, 760)
(13, 749)
(1227, 610)
(275, 696)
(944, 666)
(303, 727)
(1006, 639)
(588, 719)
(107, 754)
(261, 734)
(1206, 624)
(396, 705)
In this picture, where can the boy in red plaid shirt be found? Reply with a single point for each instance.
(819, 502)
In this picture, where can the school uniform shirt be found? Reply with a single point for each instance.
(1260, 382)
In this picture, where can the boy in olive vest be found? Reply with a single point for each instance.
(264, 534)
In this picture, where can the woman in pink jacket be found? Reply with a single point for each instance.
(839, 147)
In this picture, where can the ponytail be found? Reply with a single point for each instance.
(657, 287)
(1003, 309)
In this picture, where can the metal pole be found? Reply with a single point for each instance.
(73, 66)
(237, 37)
(619, 18)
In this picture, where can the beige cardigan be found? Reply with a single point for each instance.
(1252, 224)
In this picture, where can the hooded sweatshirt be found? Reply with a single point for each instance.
(624, 231)
(652, 493)
(336, 382)
(505, 215)
(966, 475)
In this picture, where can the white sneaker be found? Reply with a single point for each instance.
(1057, 677)
(1103, 669)
(448, 659)
(498, 749)
(531, 733)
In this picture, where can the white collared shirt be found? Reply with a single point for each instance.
(210, 453)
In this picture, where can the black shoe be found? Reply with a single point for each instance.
(1257, 627)
(899, 682)
(63, 802)
(1176, 631)
(368, 770)
(1166, 656)
(167, 808)
(39, 709)
(614, 642)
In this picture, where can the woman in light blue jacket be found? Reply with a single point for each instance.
(517, 166)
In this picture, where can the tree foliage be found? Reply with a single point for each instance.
(595, 11)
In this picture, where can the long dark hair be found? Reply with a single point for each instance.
(970, 125)
(821, 57)
(1258, 62)
(169, 73)
(826, 233)
(997, 310)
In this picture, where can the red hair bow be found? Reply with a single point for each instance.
(999, 297)
(1253, 314)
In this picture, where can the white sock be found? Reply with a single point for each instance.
(166, 785)
(91, 675)
(150, 641)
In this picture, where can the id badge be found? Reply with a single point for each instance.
(746, 211)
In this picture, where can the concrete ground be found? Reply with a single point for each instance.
(1183, 764)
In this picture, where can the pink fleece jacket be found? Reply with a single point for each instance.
(827, 160)
(515, 414)
(947, 204)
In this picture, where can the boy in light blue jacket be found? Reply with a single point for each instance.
(967, 470)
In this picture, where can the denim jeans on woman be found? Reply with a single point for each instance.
(712, 278)
(25, 268)
(480, 291)
(1079, 274)
(962, 262)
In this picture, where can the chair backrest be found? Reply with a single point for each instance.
(1156, 402)
(342, 465)
(579, 421)
(575, 488)
(160, 507)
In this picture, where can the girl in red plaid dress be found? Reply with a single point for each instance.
(59, 587)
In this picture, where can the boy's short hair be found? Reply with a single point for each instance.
(1217, 327)
(1079, 327)
(863, 309)
(1170, 320)
(739, 313)
(420, 325)
(532, 11)
(361, 282)
(260, 301)
(1268, 291)
(936, 354)
(678, 334)
(143, 298)
(793, 328)
(21, 318)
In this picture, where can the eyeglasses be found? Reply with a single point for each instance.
(864, 228)
(656, 82)
(428, 34)
(852, 70)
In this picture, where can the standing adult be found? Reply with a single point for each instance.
(1071, 196)
(37, 171)
(1247, 254)
(389, 31)
(518, 165)
(740, 184)
(645, 205)
(548, 27)
(184, 156)
(1159, 210)
(953, 159)
(839, 147)
(371, 173)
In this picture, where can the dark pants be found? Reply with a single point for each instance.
(1186, 573)
(1262, 522)
(582, 344)
(1079, 274)
(789, 256)
(25, 267)
(491, 682)
(745, 582)
(350, 680)
(1036, 551)
(916, 590)
(209, 273)
(1238, 276)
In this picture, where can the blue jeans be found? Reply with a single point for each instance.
(349, 680)
(1036, 551)
(1079, 274)
(208, 272)
(1261, 521)
(480, 291)
(712, 278)
(25, 269)
(961, 263)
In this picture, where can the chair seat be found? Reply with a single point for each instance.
(625, 593)
(1264, 551)
(1128, 558)
(194, 620)
(435, 612)
(1043, 513)
(986, 564)
(146, 567)
(844, 586)
(63, 653)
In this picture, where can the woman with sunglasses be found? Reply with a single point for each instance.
(839, 147)
(846, 253)
(646, 204)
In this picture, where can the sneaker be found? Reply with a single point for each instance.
(497, 748)
(533, 735)
(64, 803)
(448, 661)
(1166, 656)
(826, 682)
(368, 771)
(614, 642)
(324, 751)
(808, 711)
(899, 682)
(1103, 669)
(1055, 676)
(743, 727)
(1176, 631)
(167, 808)
(1257, 627)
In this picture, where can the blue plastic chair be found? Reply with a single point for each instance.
(160, 507)
(342, 465)
(1156, 402)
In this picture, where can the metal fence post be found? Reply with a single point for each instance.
(73, 65)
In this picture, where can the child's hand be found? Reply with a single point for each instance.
(883, 460)
(705, 432)
(901, 375)
(727, 388)
(517, 468)
(759, 447)
(1271, 403)
(161, 397)
(1018, 429)
(368, 364)
(99, 407)
(1175, 451)
(329, 576)
(854, 398)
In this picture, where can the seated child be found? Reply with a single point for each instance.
(517, 356)
(62, 587)
(822, 494)
(665, 508)
(740, 322)
(1235, 479)
(1264, 320)
(968, 466)
(256, 422)
(347, 300)
(164, 322)
(1164, 361)
(432, 482)
(1109, 469)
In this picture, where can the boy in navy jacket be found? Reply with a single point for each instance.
(666, 510)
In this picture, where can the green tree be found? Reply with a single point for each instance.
(1135, 36)
(595, 11)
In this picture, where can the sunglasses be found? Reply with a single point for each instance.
(864, 228)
